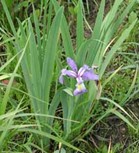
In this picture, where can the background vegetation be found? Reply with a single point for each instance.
(37, 113)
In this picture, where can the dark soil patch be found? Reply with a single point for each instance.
(114, 131)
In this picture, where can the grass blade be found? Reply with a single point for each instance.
(6, 96)
(49, 59)
(45, 134)
(96, 34)
(65, 33)
(110, 54)
(80, 26)
(8, 16)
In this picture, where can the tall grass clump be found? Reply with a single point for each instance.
(40, 40)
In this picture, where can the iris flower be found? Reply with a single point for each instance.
(85, 73)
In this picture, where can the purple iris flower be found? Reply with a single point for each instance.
(85, 73)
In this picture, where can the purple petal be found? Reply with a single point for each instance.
(79, 80)
(71, 74)
(80, 89)
(72, 64)
(89, 75)
(65, 72)
(82, 70)
(61, 79)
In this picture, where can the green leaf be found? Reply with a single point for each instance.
(67, 42)
(34, 62)
(49, 59)
(47, 135)
(53, 106)
(117, 105)
(131, 88)
(69, 91)
(8, 16)
(123, 118)
(115, 47)
(80, 26)
(4, 102)
(96, 35)
(39, 47)
(9, 3)
(132, 17)
(111, 15)
(82, 52)
(62, 150)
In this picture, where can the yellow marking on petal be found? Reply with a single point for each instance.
(80, 86)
